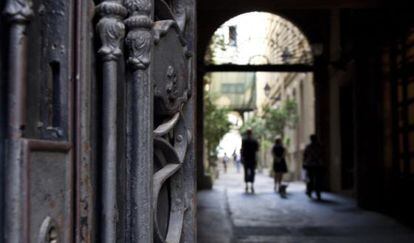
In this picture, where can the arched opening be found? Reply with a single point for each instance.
(258, 38)
(259, 64)
(352, 67)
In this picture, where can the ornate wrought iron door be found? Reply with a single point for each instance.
(99, 143)
(159, 118)
(159, 45)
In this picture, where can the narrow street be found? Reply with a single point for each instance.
(228, 214)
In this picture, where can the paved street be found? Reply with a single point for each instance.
(228, 214)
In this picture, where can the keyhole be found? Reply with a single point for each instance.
(53, 95)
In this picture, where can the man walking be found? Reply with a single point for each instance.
(312, 163)
(249, 148)
(225, 162)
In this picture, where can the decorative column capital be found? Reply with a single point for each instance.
(111, 28)
(139, 7)
(111, 8)
(139, 37)
(18, 11)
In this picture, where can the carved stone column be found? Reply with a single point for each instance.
(111, 30)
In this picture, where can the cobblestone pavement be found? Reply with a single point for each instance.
(227, 214)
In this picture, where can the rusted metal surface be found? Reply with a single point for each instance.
(39, 172)
(86, 185)
(42, 179)
(98, 151)
(48, 189)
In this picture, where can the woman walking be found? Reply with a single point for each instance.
(279, 164)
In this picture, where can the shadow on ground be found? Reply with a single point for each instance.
(227, 214)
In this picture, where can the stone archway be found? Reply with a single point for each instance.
(272, 49)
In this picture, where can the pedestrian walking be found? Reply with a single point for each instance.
(225, 162)
(236, 160)
(249, 148)
(279, 165)
(312, 163)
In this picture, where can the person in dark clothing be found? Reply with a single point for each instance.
(249, 148)
(279, 164)
(225, 162)
(312, 163)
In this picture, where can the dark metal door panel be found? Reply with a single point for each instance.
(50, 190)
(39, 156)
(49, 70)
(39, 186)
(39, 195)
(132, 155)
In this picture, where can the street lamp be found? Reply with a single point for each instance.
(267, 93)
(286, 56)
(267, 90)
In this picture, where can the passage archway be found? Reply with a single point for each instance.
(255, 62)
(362, 86)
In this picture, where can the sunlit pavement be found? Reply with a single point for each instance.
(228, 214)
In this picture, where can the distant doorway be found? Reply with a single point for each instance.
(257, 63)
